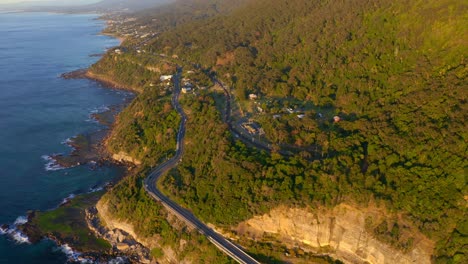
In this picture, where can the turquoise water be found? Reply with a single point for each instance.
(39, 111)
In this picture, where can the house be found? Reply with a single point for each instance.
(118, 51)
(186, 89)
(253, 96)
(164, 78)
(300, 116)
(336, 119)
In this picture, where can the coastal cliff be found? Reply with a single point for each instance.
(344, 232)
(124, 157)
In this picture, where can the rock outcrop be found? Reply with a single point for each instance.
(344, 231)
(124, 157)
(121, 241)
(123, 237)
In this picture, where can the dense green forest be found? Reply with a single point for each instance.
(394, 71)
(146, 129)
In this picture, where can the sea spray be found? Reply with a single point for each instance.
(14, 233)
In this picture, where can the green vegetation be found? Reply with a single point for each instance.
(394, 71)
(67, 223)
(129, 202)
(146, 129)
(267, 252)
(129, 71)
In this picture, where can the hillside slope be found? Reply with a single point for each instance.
(393, 71)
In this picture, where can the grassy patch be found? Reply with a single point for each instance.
(68, 224)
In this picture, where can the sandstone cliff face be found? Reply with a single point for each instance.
(115, 224)
(124, 157)
(122, 234)
(341, 230)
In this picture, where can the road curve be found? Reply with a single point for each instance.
(150, 186)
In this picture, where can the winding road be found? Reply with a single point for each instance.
(150, 184)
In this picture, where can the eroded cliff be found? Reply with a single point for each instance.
(345, 232)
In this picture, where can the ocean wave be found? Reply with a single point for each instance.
(14, 233)
(67, 199)
(21, 220)
(72, 255)
(51, 164)
(19, 237)
(96, 110)
(100, 109)
(66, 141)
(92, 120)
(97, 189)
(76, 257)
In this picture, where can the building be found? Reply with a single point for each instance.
(253, 96)
(186, 89)
(164, 78)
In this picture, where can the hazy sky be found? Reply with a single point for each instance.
(69, 1)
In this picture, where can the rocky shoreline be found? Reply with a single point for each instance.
(121, 242)
(123, 248)
(89, 149)
(102, 80)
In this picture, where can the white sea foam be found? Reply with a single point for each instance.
(51, 164)
(74, 256)
(67, 199)
(97, 189)
(92, 120)
(19, 237)
(13, 232)
(68, 251)
(100, 109)
(66, 141)
(21, 220)
(96, 110)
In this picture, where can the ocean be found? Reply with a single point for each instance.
(39, 111)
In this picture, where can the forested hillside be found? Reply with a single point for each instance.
(394, 71)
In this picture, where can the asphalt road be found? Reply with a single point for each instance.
(219, 241)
